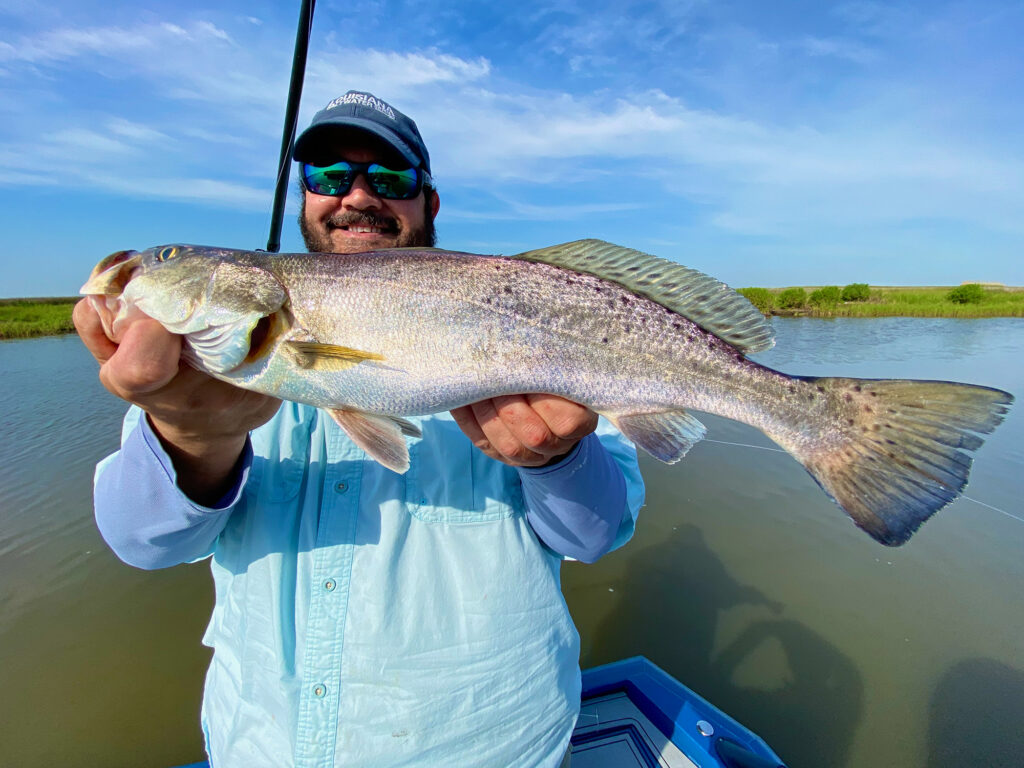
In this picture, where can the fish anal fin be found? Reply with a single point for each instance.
(313, 355)
(382, 437)
(666, 435)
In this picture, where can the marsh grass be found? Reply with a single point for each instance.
(932, 301)
(23, 318)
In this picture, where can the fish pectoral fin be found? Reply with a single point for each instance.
(382, 437)
(327, 357)
(666, 435)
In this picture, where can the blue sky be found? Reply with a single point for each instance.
(765, 143)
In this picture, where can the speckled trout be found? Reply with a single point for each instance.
(376, 336)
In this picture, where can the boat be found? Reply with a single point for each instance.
(633, 714)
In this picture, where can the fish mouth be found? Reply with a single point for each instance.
(112, 274)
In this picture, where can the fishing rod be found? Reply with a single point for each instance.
(291, 118)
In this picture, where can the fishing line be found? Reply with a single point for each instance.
(745, 445)
(997, 509)
(779, 450)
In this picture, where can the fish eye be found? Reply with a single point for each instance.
(166, 253)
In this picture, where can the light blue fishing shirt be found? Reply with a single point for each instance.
(367, 618)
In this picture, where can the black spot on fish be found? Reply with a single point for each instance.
(821, 389)
(868, 409)
(628, 329)
(792, 389)
(488, 300)
(624, 299)
(604, 340)
(856, 388)
(507, 289)
(873, 394)
(850, 422)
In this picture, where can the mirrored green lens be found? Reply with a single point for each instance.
(333, 179)
(395, 185)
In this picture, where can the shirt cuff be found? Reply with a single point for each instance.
(575, 506)
(229, 499)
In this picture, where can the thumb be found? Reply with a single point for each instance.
(146, 360)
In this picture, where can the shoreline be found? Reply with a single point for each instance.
(51, 316)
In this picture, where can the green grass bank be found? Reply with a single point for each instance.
(23, 318)
(861, 300)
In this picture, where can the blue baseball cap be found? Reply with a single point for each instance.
(360, 111)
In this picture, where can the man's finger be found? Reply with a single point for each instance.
(146, 360)
(467, 422)
(526, 426)
(506, 442)
(566, 419)
(90, 330)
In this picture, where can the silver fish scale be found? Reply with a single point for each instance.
(546, 329)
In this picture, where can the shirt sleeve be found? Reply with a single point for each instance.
(587, 504)
(142, 514)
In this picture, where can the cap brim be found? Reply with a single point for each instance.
(311, 138)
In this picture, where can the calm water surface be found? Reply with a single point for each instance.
(743, 580)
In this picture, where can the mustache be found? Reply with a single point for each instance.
(364, 219)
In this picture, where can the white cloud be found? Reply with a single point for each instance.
(849, 50)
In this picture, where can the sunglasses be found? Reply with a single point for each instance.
(337, 179)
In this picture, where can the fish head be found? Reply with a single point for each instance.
(213, 297)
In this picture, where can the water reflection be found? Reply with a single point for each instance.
(975, 716)
(730, 642)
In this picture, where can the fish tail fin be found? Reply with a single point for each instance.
(897, 451)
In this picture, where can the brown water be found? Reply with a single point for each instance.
(743, 580)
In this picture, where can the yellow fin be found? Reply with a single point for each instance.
(328, 357)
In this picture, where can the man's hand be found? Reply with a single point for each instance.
(202, 422)
(525, 430)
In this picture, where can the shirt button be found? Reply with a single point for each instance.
(319, 690)
(329, 585)
(341, 487)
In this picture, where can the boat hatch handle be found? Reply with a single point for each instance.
(735, 755)
(291, 117)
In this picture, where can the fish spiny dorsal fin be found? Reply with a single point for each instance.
(709, 303)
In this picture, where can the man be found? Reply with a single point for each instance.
(365, 618)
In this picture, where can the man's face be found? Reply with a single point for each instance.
(360, 220)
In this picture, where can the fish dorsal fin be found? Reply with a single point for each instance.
(708, 302)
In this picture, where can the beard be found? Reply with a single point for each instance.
(319, 240)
